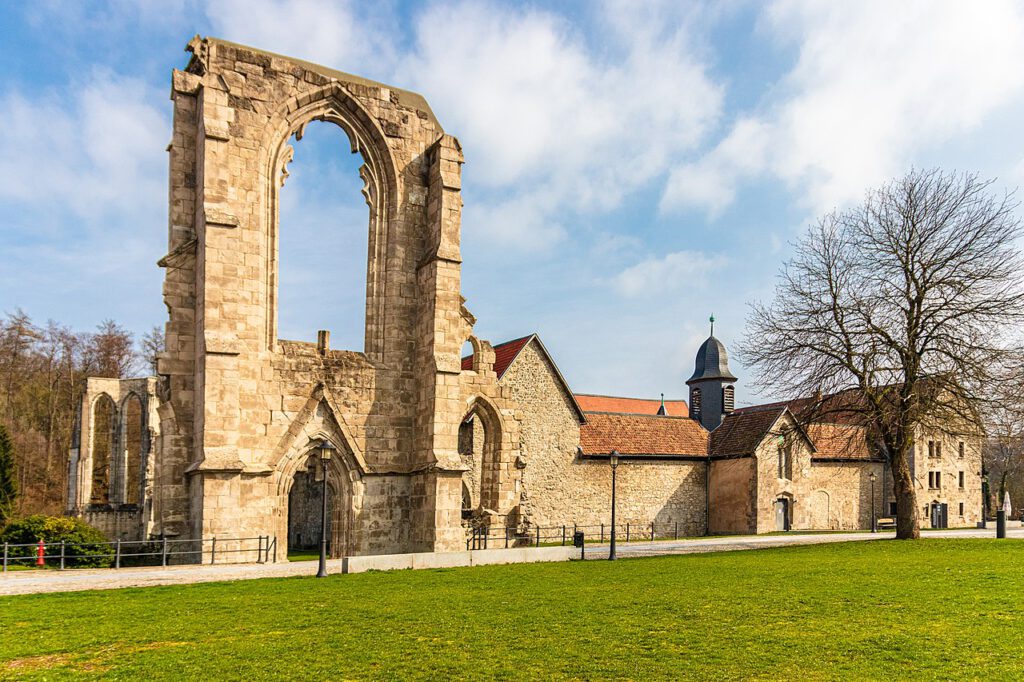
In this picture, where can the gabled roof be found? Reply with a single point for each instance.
(506, 353)
(840, 442)
(636, 434)
(607, 403)
(741, 432)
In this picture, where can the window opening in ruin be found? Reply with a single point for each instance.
(962, 480)
(322, 242)
(104, 431)
(467, 352)
(961, 450)
(133, 429)
(728, 399)
(480, 451)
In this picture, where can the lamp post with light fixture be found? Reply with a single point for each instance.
(613, 462)
(326, 450)
(874, 518)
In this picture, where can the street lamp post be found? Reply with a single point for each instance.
(326, 450)
(613, 461)
(874, 518)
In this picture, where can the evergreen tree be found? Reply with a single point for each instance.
(8, 480)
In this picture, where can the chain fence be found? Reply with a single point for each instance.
(500, 537)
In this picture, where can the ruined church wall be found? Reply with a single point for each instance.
(234, 391)
(560, 488)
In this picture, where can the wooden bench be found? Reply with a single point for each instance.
(885, 523)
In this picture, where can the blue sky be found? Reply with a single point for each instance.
(631, 167)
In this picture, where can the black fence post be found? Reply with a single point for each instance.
(5, 557)
(538, 535)
(602, 533)
(627, 531)
(675, 533)
(652, 531)
(213, 550)
(163, 552)
(62, 555)
(506, 537)
(117, 554)
(563, 535)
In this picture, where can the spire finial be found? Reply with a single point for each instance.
(662, 412)
(712, 320)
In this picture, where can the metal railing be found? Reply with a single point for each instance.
(124, 553)
(501, 537)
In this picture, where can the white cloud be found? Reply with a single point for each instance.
(672, 272)
(97, 153)
(539, 107)
(875, 84)
(328, 32)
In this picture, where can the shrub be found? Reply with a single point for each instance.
(80, 539)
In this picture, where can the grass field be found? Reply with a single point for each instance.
(933, 609)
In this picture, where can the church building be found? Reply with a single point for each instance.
(240, 432)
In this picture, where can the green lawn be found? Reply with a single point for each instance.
(932, 609)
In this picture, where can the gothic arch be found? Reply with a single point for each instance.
(103, 421)
(343, 479)
(132, 449)
(493, 458)
(333, 104)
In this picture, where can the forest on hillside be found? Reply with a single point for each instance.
(43, 368)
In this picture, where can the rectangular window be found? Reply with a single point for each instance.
(961, 480)
(938, 448)
(961, 509)
(892, 509)
(961, 450)
(934, 480)
(931, 448)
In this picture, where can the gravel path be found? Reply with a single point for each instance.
(30, 582)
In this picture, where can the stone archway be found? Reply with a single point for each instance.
(305, 507)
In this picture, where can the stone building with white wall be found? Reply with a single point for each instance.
(223, 441)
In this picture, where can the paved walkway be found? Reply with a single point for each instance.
(733, 543)
(29, 582)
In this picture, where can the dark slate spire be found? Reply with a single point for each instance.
(662, 412)
(712, 360)
(711, 390)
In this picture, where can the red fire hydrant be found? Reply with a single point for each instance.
(41, 554)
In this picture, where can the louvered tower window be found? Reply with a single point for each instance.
(695, 401)
(728, 399)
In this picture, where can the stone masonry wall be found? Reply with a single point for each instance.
(560, 488)
(243, 408)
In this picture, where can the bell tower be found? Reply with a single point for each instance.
(712, 390)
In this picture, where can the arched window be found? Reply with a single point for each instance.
(728, 399)
(480, 448)
(133, 430)
(322, 241)
(104, 432)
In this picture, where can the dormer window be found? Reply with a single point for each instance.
(728, 399)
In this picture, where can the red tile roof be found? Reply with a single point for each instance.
(504, 354)
(837, 441)
(634, 434)
(607, 403)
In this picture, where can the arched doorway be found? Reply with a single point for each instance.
(305, 508)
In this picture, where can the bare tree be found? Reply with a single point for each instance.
(150, 347)
(913, 300)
